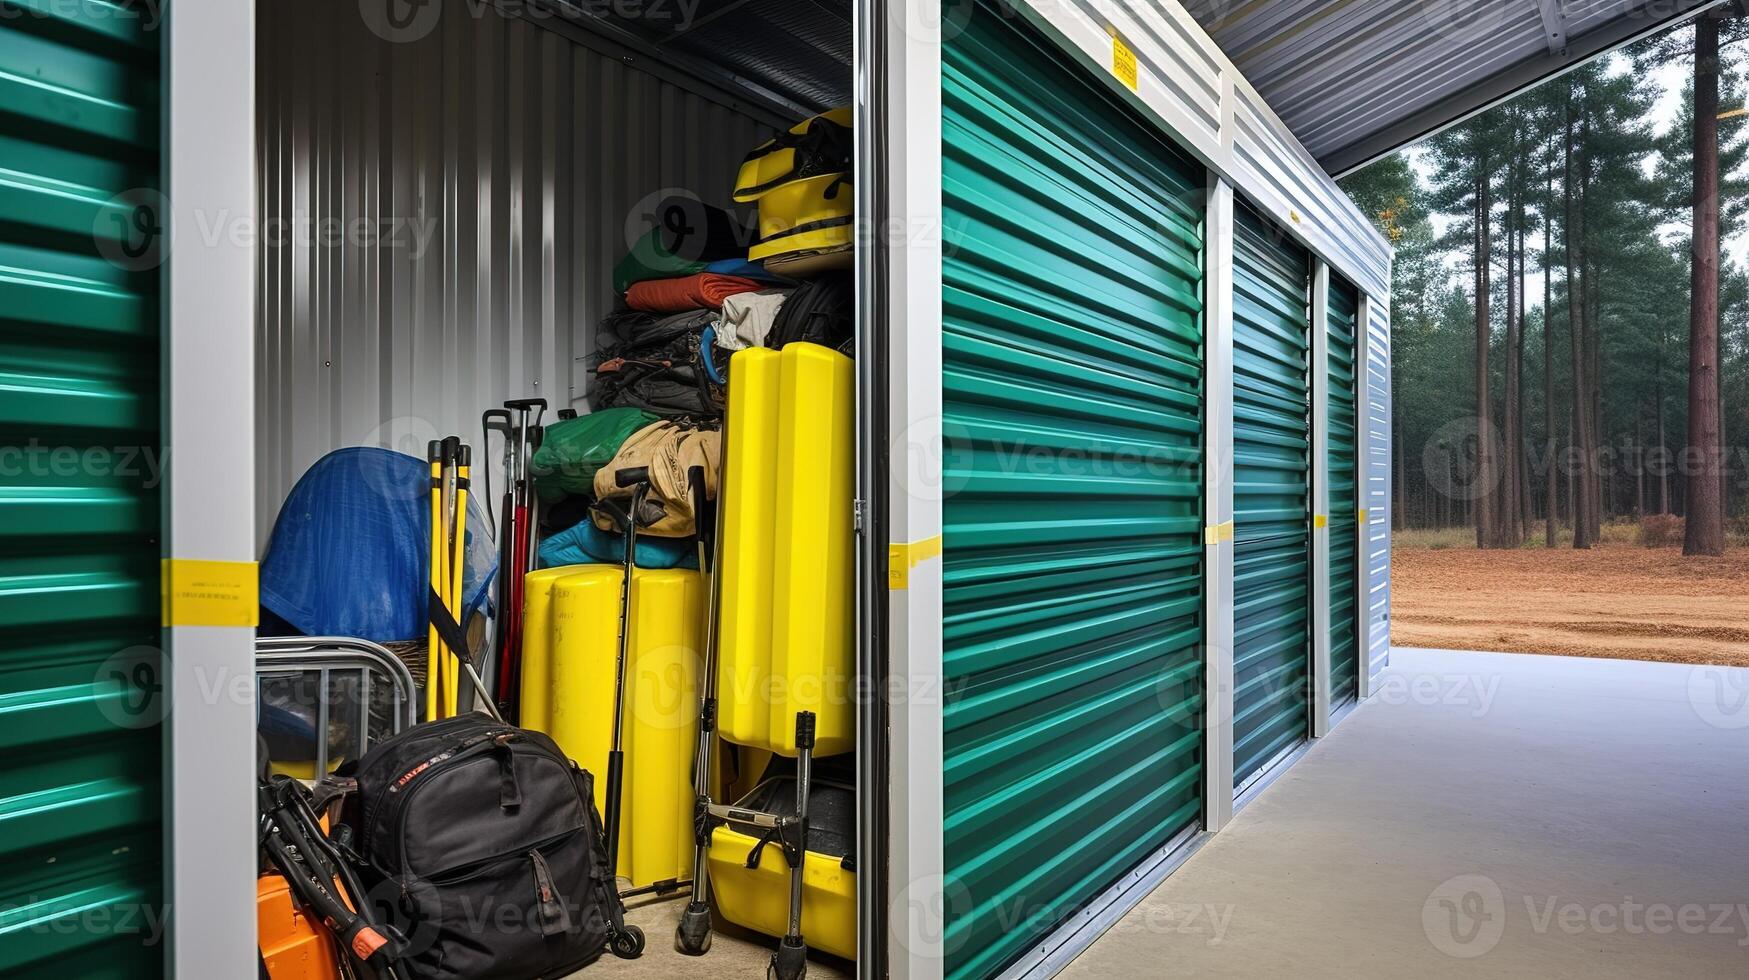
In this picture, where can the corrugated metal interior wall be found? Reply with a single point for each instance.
(442, 207)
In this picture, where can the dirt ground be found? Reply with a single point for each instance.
(1623, 601)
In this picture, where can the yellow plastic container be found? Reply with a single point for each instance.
(581, 630)
(758, 898)
(786, 639)
(537, 645)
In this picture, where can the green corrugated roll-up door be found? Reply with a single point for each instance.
(1072, 388)
(1272, 433)
(1343, 473)
(81, 857)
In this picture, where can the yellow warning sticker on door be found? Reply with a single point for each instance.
(210, 593)
(1123, 62)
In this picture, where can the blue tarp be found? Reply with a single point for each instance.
(349, 552)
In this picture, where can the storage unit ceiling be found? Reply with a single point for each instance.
(1356, 79)
(795, 50)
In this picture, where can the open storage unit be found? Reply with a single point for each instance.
(1074, 222)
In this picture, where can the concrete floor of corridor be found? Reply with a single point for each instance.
(1483, 815)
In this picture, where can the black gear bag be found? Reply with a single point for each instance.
(481, 843)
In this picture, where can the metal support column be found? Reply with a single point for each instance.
(1218, 506)
(210, 600)
(918, 893)
(1320, 378)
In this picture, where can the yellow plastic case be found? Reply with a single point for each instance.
(786, 626)
(579, 643)
(758, 898)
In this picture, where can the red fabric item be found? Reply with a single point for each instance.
(706, 290)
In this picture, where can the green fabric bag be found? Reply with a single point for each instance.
(650, 259)
(571, 451)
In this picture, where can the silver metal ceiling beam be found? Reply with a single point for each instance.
(1555, 26)
(1648, 18)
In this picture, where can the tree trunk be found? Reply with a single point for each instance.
(1592, 278)
(1663, 446)
(1549, 359)
(1639, 461)
(1705, 533)
(1487, 479)
(1520, 443)
(1507, 514)
(1580, 494)
(1397, 515)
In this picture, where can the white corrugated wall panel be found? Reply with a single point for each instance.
(441, 217)
(1377, 493)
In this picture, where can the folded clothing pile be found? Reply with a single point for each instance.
(701, 291)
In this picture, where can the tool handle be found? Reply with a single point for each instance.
(495, 413)
(631, 476)
(615, 775)
(526, 404)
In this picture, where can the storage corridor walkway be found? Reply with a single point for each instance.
(1483, 815)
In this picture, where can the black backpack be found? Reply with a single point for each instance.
(819, 311)
(481, 844)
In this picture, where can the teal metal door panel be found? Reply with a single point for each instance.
(81, 857)
(1272, 430)
(1343, 469)
(1072, 388)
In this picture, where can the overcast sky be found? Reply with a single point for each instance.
(1665, 110)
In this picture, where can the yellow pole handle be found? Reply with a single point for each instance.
(433, 645)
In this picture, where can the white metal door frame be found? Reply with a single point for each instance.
(210, 602)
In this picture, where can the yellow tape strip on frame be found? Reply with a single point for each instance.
(1123, 62)
(1215, 535)
(901, 558)
(1360, 515)
(210, 593)
(1321, 520)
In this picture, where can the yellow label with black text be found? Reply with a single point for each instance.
(210, 593)
(1123, 62)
